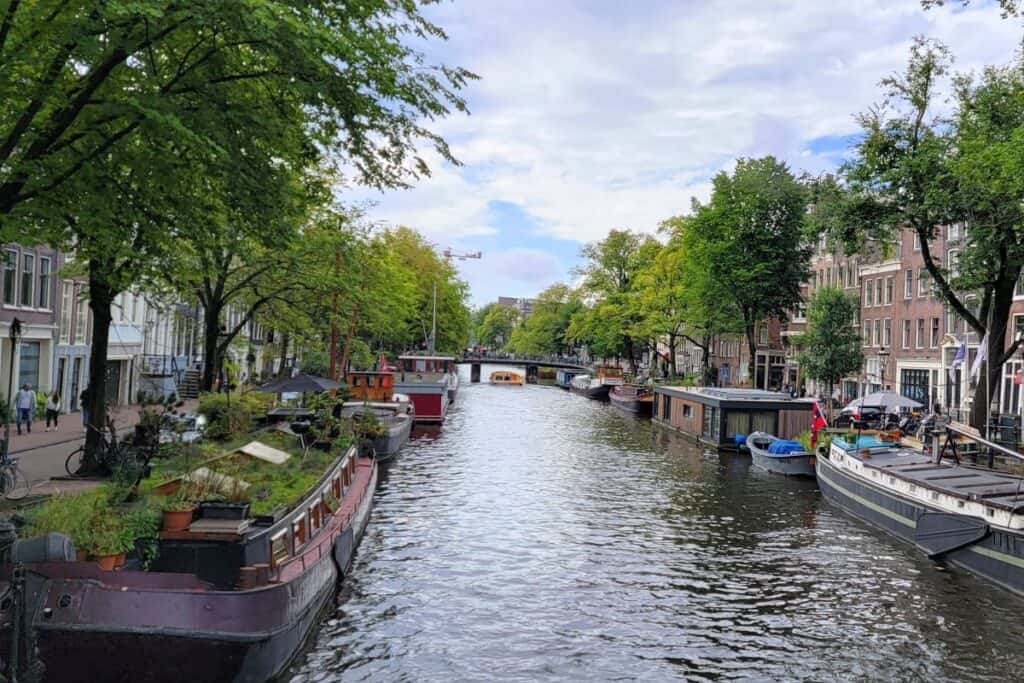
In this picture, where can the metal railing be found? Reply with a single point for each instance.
(522, 358)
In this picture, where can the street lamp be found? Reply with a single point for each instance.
(15, 335)
(883, 360)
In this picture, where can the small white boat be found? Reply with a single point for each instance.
(790, 460)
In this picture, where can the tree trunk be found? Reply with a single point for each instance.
(211, 333)
(348, 342)
(284, 354)
(629, 355)
(101, 296)
(991, 371)
(705, 361)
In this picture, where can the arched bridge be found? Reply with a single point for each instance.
(562, 362)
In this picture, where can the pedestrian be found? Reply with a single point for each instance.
(52, 410)
(25, 402)
(83, 401)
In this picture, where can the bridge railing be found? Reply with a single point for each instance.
(520, 358)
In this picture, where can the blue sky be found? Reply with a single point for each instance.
(600, 114)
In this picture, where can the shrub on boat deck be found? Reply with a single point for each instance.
(231, 414)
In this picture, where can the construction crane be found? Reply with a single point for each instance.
(448, 253)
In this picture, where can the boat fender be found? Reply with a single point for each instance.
(52, 547)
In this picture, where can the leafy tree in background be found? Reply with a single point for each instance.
(545, 332)
(912, 170)
(831, 345)
(495, 326)
(750, 235)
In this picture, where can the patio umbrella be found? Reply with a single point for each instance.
(301, 384)
(889, 400)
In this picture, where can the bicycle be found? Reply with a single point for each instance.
(14, 485)
(110, 455)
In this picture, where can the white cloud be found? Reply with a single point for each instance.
(594, 115)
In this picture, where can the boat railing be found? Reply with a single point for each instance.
(959, 429)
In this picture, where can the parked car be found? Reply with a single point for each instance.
(867, 417)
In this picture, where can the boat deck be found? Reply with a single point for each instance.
(998, 489)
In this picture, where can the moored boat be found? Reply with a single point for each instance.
(223, 600)
(506, 377)
(563, 377)
(633, 398)
(780, 456)
(591, 387)
(967, 516)
(392, 415)
(426, 379)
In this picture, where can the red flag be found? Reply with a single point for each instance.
(817, 424)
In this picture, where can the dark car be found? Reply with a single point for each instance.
(866, 417)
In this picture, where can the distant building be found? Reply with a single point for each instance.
(524, 306)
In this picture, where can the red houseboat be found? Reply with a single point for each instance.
(430, 382)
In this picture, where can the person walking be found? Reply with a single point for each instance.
(83, 402)
(52, 410)
(25, 403)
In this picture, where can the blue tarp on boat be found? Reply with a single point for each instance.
(785, 447)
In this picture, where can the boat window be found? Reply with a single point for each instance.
(299, 532)
(279, 547)
(421, 366)
(315, 516)
(687, 410)
(346, 477)
(336, 487)
(355, 381)
(369, 381)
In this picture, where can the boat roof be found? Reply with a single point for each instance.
(737, 397)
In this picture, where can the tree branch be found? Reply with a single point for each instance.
(923, 234)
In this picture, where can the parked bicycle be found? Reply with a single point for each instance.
(112, 455)
(14, 485)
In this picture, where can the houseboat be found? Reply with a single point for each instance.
(373, 395)
(224, 599)
(967, 516)
(506, 377)
(427, 380)
(591, 387)
(564, 377)
(610, 375)
(633, 398)
(716, 416)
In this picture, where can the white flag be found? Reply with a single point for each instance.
(980, 358)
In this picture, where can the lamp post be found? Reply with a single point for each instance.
(15, 335)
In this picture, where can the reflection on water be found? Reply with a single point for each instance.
(540, 535)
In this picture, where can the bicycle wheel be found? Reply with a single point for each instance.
(74, 461)
(16, 484)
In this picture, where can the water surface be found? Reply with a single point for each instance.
(543, 536)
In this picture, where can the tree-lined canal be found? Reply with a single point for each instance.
(540, 535)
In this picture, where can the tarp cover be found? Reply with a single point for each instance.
(785, 447)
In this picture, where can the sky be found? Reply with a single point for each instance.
(598, 114)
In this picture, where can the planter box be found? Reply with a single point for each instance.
(215, 509)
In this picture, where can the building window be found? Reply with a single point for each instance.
(1018, 326)
(66, 302)
(28, 364)
(917, 241)
(762, 334)
(922, 283)
(80, 316)
(887, 333)
(920, 333)
(908, 283)
(935, 333)
(878, 292)
(906, 334)
(868, 290)
(889, 284)
(953, 232)
(914, 385)
(1010, 400)
(28, 268)
(878, 332)
(44, 282)
(10, 275)
(867, 333)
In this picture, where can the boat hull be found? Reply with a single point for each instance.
(387, 446)
(998, 557)
(632, 405)
(89, 629)
(797, 465)
(431, 403)
(599, 393)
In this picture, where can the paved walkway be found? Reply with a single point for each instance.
(41, 454)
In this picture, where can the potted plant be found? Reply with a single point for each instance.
(177, 510)
(229, 497)
(110, 540)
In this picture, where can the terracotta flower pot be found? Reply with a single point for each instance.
(177, 520)
(82, 556)
(110, 562)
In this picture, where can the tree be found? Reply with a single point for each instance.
(919, 172)
(545, 332)
(661, 294)
(118, 118)
(751, 237)
(831, 345)
(610, 326)
(495, 325)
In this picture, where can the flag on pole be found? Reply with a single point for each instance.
(980, 358)
(958, 360)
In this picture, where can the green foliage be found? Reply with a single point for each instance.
(831, 346)
(545, 332)
(494, 325)
(231, 414)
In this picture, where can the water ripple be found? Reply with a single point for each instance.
(543, 536)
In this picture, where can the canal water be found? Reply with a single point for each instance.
(543, 536)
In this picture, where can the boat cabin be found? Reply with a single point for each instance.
(506, 377)
(370, 385)
(716, 415)
(610, 375)
(427, 364)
